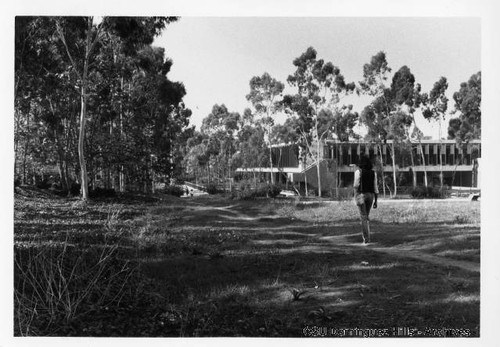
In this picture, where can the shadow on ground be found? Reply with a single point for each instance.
(288, 274)
(230, 268)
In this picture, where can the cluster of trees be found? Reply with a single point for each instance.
(93, 101)
(228, 140)
(391, 114)
(317, 111)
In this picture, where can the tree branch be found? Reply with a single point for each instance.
(96, 39)
(63, 39)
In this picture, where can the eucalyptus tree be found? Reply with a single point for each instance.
(377, 116)
(81, 37)
(252, 149)
(342, 122)
(340, 125)
(27, 64)
(323, 86)
(44, 98)
(284, 135)
(249, 148)
(196, 158)
(74, 67)
(435, 110)
(265, 94)
(467, 125)
(220, 128)
(158, 118)
(58, 111)
(407, 99)
(300, 120)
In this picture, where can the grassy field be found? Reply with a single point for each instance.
(210, 266)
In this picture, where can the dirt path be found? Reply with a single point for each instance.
(342, 242)
(429, 258)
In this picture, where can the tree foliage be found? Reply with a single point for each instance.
(100, 84)
(265, 94)
(320, 88)
(467, 125)
(390, 114)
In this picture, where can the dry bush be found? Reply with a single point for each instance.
(55, 284)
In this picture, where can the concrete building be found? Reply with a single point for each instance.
(459, 163)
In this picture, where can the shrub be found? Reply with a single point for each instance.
(75, 188)
(340, 194)
(429, 193)
(212, 188)
(54, 286)
(261, 192)
(174, 190)
(273, 190)
(246, 194)
(247, 191)
(45, 184)
(102, 193)
(462, 220)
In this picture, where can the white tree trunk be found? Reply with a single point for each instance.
(81, 141)
(423, 163)
(271, 162)
(394, 169)
(440, 156)
(414, 173)
(382, 164)
(318, 158)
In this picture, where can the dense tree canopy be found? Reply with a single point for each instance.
(265, 96)
(320, 88)
(467, 125)
(97, 91)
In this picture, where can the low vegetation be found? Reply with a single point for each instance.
(210, 266)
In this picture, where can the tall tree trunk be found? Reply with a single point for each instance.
(337, 182)
(423, 163)
(62, 173)
(279, 166)
(394, 168)
(305, 182)
(318, 158)
(66, 174)
(26, 144)
(16, 143)
(121, 177)
(440, 156)
(67, 127)
(208, 169)
(81, 137)
(414, 175)
(83, 98)
(383, 171)
(270, 154)
(60, 159)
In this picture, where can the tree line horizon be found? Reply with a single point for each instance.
(94, 100)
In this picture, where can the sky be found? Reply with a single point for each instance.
(215, 57)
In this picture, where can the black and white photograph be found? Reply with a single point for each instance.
(317, 170)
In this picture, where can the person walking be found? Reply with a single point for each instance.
(365, 193)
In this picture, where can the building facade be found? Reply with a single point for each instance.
(458, 163)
